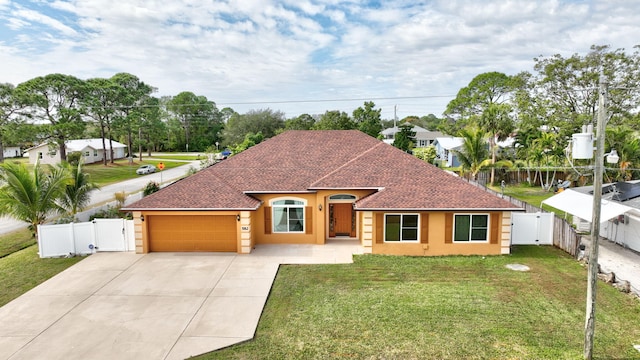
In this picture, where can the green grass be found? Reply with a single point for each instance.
(15, 241)
(533, 195)
(393, 307)
(121, 170)
(24, 270)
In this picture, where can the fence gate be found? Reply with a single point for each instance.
(532, 228)
(110, 235)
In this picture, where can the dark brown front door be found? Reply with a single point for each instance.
(341, 220)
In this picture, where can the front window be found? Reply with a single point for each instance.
(401, 227)
(86, 153)
(288, 216)
(471, 228)
(95, 153)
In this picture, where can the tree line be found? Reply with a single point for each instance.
(543, 108)
(56, 108)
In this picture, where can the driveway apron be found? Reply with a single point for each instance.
(151, 306)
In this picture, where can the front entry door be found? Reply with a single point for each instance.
(342, 221)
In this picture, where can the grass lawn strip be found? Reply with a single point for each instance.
(23, 270)
(15, 241)
(391, 307)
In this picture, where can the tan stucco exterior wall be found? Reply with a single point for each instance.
(251, 229)
(317, 203)
(437, 246)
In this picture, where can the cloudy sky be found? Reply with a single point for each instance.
(304, 56)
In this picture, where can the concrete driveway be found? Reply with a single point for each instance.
(152, 306)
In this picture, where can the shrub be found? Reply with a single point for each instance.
(120, 196)
(73, 158)
(151, 187)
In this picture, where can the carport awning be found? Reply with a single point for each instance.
(581, 205)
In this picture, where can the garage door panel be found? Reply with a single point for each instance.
(192, 233)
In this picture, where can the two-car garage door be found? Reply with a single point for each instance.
(192, 232)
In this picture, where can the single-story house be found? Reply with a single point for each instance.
(306, 187)
(11, 152)
(423, 136)
(91, 150)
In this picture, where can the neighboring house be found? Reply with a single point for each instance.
(444, 150)
(423, 137)
(11, 152)
(620, 211)
(307, 187)
(91, 150)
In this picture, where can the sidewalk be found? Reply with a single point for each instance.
(623, 262)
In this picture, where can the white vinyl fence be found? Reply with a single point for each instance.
(532, 228)
(86, 238)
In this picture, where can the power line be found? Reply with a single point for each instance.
(272, 102)
(335, 100)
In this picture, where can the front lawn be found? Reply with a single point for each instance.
(24, 270)
(393, 307)
(121, 170)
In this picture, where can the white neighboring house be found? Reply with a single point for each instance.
(620, 211)
(444, 147)
(423, 137)
(91, 150)
(11, 152)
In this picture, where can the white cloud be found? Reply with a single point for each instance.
(34, 16)
(254, 50)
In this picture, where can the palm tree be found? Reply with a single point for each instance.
(623, 139)
(31, 195)
(76, 195)
(473, 154)
(547, 145)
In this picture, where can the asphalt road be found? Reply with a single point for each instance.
(106, 194)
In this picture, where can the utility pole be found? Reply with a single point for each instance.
(592, 277)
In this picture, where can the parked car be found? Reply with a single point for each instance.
(146, 169)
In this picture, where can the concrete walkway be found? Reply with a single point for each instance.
(151, 306)
(623, 262)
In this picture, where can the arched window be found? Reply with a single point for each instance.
(288, 215)
(342, 197)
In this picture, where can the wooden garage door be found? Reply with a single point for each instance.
(192, 233)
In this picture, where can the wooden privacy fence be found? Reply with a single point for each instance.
(565, 235)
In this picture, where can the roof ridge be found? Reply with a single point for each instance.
(347, 163)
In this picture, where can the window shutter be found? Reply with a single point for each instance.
(267, 219)
(379, 228)
(424, 228)
(308, 218)
(448, 228)
(495, 228)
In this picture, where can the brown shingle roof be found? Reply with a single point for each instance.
(301, 161)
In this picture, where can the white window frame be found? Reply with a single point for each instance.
(274, 206)
(401, 241)
(470, 241)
